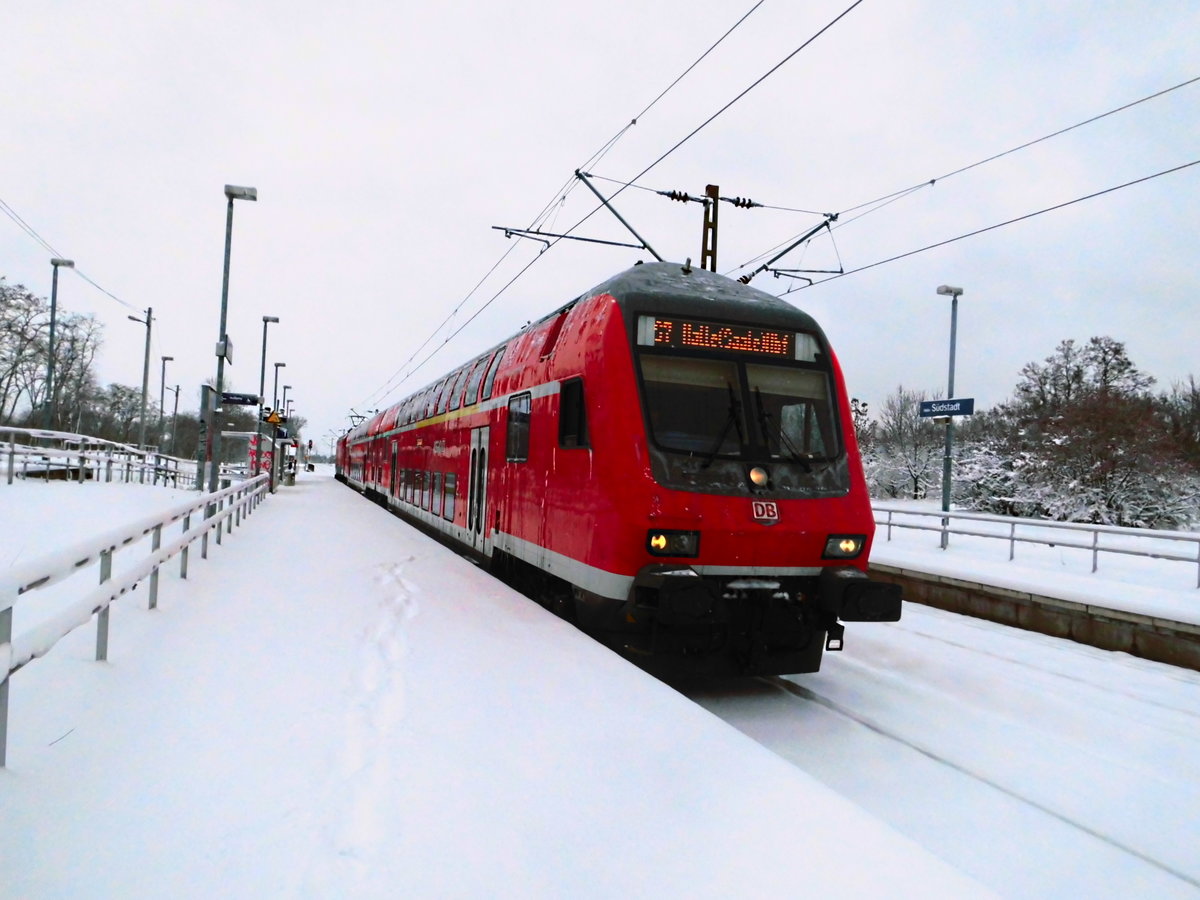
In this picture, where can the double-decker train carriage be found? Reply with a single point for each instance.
(668, 461)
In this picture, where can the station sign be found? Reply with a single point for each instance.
(228, 399)
(962, 406)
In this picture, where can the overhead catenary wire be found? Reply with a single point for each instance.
(46, 245)
(887, 199)
(1013, 221)
(556, 202)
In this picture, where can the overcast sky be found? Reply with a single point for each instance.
(385, 141)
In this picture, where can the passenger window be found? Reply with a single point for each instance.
(456, 389)
(517, 446)
(473, 382)
(572, 415)
(491, 376)
(448, 506)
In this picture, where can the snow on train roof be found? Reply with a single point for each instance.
(695, 289)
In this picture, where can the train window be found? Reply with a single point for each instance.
(491, 376)
(694, 405)
(552, 334)
(457, 386)
(473, 382)
(572, 415)
(426, 486)
(517, 446)
(436, 508)
(448, 504)
(794, 411)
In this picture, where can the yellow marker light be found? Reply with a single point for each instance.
(844, 546)
(659, 542)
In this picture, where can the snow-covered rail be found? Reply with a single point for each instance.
(1176, 546)
(222, 510)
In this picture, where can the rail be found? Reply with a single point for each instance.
(222, 510)
(1141, 542)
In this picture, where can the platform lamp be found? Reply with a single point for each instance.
(232, 192)
(953, 293)
(49, 414)
(149, 323)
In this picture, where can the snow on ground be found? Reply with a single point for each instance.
(335, 706)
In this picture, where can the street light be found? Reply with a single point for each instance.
(275, 390)
(174, 417)
(233, 192)
(145, 372)
(162, 391)
(55, 263)
(262, 386)
(283, 402)
(953, 293)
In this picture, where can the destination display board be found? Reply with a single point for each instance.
(694, 334)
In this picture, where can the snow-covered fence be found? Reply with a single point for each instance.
(1177, 546)
(222, 510)
(36, 453)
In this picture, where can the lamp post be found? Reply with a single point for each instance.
(953, 293)
(162, 392)
(275, 390)
(262, 386)
(283, 402)
(174, 416)
(148, 321)
(49, 414)
(232, 192)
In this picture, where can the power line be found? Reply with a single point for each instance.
(979, 231)
(1027, 144)
(29, 230)
(559, 196)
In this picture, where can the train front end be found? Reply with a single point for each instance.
(757, 520)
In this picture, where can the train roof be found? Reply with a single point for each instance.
(683, 289)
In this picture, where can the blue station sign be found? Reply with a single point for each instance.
(963, 406)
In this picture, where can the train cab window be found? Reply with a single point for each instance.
(572, 415)
(517, 444)
(491, 375)
(473, 382)
(448, 503)
(694, 405)
(793, 409)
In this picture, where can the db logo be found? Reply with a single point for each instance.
(764, 511)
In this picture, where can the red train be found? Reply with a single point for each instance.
(667, 461)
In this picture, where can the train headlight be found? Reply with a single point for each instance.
(660, 542)
(759, 476)
(844, 546)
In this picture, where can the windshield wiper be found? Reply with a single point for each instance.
(735, 419)
(764, 421)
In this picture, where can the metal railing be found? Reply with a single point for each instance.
(1141, 542)
(227, 508)
(33, 453)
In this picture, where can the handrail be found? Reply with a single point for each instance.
(1140, 536)
(69, 453)
(226, 509)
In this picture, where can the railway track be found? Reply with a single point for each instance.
(1039, 767)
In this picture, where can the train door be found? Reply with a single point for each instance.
(477, 492)
(392, 475)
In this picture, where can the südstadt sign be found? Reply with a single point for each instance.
(228, 399)
(963, 406)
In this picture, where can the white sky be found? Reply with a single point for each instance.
(386, 140)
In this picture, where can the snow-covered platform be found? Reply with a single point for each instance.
(335, 706)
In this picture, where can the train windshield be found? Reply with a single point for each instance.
(694, 405)
(714, 408)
